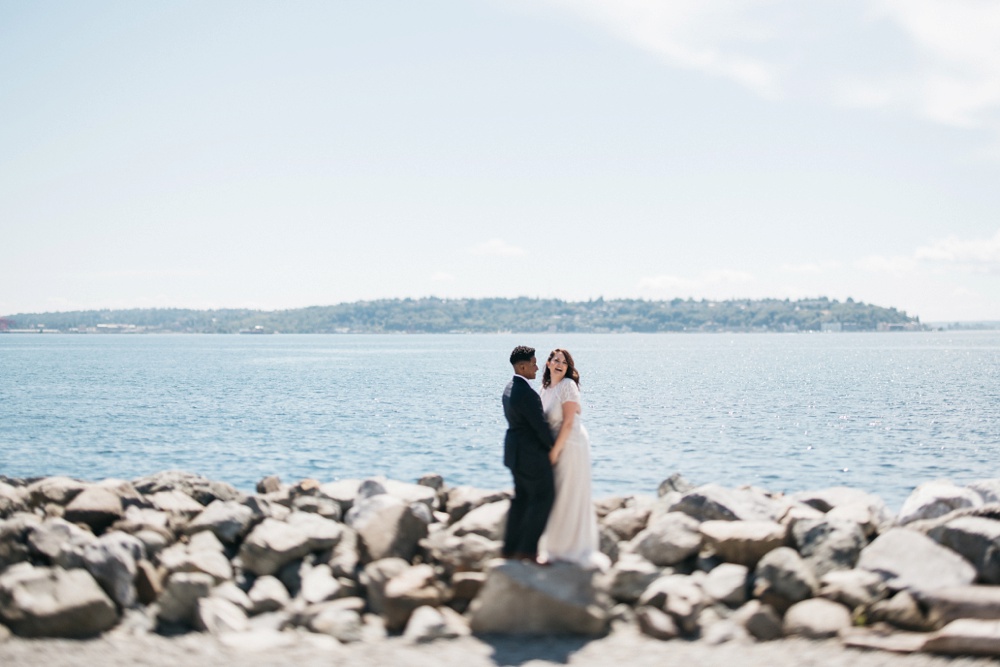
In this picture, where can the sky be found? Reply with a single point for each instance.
(279, 155)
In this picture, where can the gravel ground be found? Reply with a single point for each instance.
(622, 647)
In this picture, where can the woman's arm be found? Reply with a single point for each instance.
(569, 411)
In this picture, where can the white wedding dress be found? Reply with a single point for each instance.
(571, 532)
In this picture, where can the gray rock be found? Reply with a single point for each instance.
(325, 507)
(629, 577)
(228, 520)
(627, 522)
(458, 554)
(273, 544)
(344, 625)
(216, 616)
(742, 542)
(411, 493)
(269, 484)
(966, 637)
(179, 601)
(268, 594)
(12, 499)
(782, 578)
(230, 592)
(608, 543)
(902, 611)
(675, 484)
(524, 599)
(713, 502)
(320, 585)
(54, 490)
(201, 489)
(59, 541)
(865, 509)
(344, 491)
(908, 560)
(828, 544)
(988, 490)
(432, 481)
(96, 507)
(945, 605)
(52, 602)
(465, 586)
(427, 624)
(487, 520)
(976, 538)
(183, 558)
(604, 506)
(816, 619)
(414, 587)
(669, 540)
(464, 499)
(148, 582)
(376, 575)
(175, 502)
(678, 595)
(727, 584)
(656, 623)
(760, 620)
(936, 498)
(387, 527)
(111, 560)
(852, 588)
(14, 533)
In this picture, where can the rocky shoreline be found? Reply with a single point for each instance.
(359, 568)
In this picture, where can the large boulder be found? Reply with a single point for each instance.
(54, 490)
(487, 520)
(945, 605)
(411, 493)
(976, 538)
(96, 506)
(816, 618)
(59, 542)
(272, 544)
(988, 489)
(908, 560)
(428, 624)
(376, 576)
(227, 519)
(412, 588)
(626, 522)
(179, 602)
(936, 498)
(668, 540)
(629, 577)
(112, 560)
(14, 533)
(841, 502)
(714, 502)
(464, 499)
(524, 599)
(387, 527)
(678, 595)
(828, 544)
(267, 594)
(782, 578)
(200, 488)
(52, 602)
(12, 499)
(727, 583)
(468, 553)
(852, 588)
(742, 542)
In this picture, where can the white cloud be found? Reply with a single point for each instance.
(944, 63)
(497, 248)
(977, 254)
(952, 253)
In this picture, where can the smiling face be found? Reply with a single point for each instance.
(557, 366)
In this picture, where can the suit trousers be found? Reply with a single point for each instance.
(534, 493)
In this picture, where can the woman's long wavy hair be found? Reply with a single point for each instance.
(571, 371)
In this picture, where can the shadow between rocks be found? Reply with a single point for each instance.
(517, 650)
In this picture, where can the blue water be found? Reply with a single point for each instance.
(880, 412)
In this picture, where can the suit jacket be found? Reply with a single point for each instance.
(528, 439)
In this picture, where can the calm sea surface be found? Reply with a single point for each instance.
(880, 412)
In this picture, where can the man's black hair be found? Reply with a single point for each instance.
(521, 353)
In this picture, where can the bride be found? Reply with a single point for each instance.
(571, 532)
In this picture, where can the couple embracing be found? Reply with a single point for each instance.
(547, 450)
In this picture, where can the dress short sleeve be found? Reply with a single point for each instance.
(568, 391)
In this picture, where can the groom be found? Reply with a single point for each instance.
(526, 452)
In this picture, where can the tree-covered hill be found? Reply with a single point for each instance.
(432, 315)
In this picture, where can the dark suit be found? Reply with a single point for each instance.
(526, 452)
